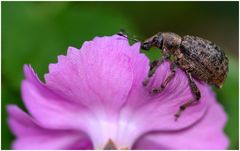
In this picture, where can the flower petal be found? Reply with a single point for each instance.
(31, 136)
(98, 76)
(86, 80)
(207, 133)
(46, 107)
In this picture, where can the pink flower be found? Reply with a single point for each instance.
(93, 98)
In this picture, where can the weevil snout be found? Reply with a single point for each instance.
(146, 45)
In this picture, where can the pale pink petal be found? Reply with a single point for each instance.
(98, 76)
(48, 108)
(92, 92)
(30, 135)
(207, 133)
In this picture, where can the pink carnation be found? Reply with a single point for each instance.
(94, 97)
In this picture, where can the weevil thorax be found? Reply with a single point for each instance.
(171, 41)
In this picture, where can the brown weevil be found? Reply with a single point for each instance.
(200, 59)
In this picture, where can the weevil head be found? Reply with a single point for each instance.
(154, 41)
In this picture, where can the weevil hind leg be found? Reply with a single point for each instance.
(196, 93)
(167, 80)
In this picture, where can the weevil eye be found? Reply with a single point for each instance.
(146, 46)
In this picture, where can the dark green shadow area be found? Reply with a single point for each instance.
(37, 32)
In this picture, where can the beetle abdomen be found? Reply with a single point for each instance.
(206, 60)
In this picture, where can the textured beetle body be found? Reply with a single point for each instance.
(205, 60)
(199, 58)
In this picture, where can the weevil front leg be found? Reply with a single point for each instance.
(155, 64)
(167, 80)
(196, 93)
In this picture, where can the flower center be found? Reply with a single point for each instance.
(110, 145)
(113, 133)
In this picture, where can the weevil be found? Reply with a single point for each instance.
(199, 58)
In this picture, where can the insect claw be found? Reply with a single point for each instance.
(155, 91)
(145, 82)
(177, 115)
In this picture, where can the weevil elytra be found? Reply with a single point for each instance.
(201, 59)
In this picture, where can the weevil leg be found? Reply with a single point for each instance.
(154, 65)
(167, 80)
(196, 93)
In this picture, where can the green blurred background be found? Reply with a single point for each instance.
(37, 32)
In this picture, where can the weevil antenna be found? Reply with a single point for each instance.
(123, 33)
